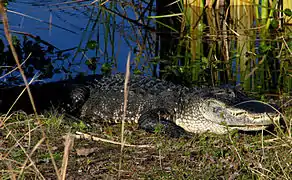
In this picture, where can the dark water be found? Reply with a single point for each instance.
(69, 21)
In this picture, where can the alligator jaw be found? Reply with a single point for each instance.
(249, 127)
(263, 123)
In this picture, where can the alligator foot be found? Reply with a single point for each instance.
(159, 120)
(79, 94)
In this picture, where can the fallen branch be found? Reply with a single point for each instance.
(80, 135)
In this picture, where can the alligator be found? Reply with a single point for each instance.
(152, 103)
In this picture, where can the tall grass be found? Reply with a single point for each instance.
(235, 44)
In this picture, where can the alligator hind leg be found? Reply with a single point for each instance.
(158, 119)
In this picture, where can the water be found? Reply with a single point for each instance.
(66, 31)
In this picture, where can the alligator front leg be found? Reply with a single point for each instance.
(159, 119)
(78, 95)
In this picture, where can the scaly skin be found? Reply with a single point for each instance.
(150, 102)
(195, 112)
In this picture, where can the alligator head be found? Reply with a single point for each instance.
(216, 116)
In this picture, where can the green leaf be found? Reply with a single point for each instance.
(137, 71)
(91, 63)
(275, 23)
(91, 44)
(288, 12)
(106, 68)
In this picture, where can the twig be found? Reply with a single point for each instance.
(29, 158)
(127, 77)
(69, 140)
(80, 135)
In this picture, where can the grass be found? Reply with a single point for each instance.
(260, 155)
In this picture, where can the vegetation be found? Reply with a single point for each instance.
(237, 155)
(192, 45)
